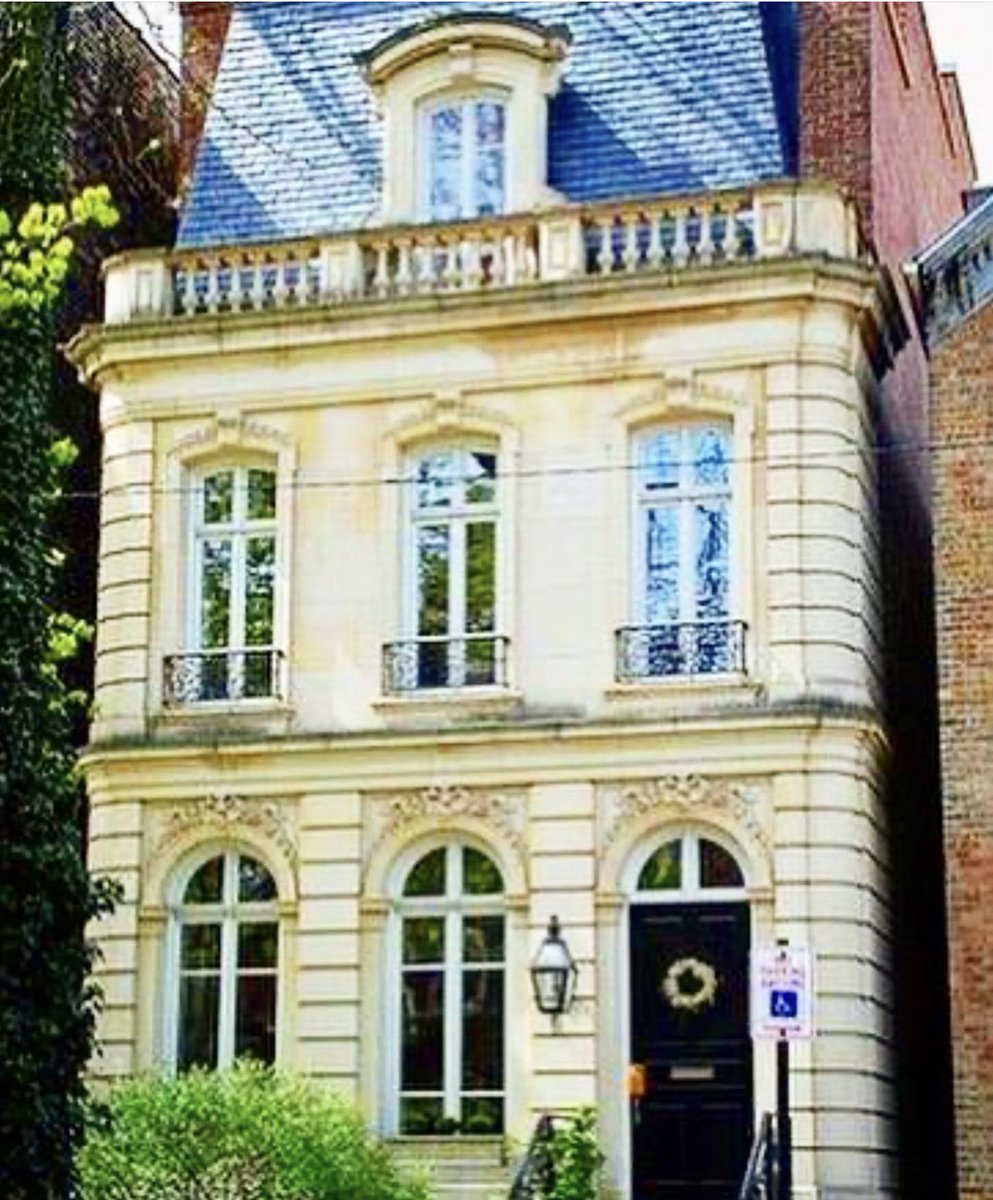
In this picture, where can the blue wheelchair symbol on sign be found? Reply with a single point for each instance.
(784, 1005)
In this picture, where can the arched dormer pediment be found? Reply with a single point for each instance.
(464, 104)
(460, 37)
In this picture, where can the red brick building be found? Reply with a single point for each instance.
(957, 278)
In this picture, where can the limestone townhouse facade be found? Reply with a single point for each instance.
(489, 533)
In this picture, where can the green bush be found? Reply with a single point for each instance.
(575, 1160)
(245, 1134)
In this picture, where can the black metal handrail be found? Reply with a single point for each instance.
(535, 1176)
(683, 648)
(429, 663)
(760, 1181)
(211, 676)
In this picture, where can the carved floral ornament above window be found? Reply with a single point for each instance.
(464, 102)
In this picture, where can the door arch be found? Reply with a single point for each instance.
(688, 943)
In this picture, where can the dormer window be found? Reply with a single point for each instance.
(464, 145)
(464, 104)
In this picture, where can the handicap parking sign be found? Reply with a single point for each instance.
(783, 1004)
(782, 993)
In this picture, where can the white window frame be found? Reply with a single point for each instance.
(682, 497)
(690, 890)
(229, 914)
(456, 518)
(238, 530)
(467, 161)
(453, 907)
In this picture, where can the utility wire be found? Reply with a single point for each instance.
(785, 461)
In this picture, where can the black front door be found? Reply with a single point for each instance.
(692, 1128)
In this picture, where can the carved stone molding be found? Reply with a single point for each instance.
(230, 429)
(689, 796)
(223, 813)
(503, 812)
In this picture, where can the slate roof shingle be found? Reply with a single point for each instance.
(656, 98)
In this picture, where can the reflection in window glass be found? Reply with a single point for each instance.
(717, 868)
(480, 874)
(218, 498)
(255, 884)
(206, 884)
(664, 870)
(427, 877)
(466, 154)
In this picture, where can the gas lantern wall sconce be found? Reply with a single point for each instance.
(553, 973)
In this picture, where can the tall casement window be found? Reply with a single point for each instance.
(452, 1036)
(233, 557)
(464, 158)
(451, 569)
(225, 965)
(683, 556)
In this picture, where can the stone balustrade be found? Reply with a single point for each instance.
(663, 234)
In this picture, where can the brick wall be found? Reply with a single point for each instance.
(875, 119)
(962, 427)
(205, 27)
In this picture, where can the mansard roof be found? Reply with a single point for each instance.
(672, 97)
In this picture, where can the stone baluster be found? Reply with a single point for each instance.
(188, 271)
(279, 291)
(655, 252)
(255, 282)
(404, 276)
(472, 267)
(526, 266)
(605, 259)
(705, 247)
(451, 273)
(213, 296)
(498, 259)
(381, 280)
(236, 288)
(631, 223)
(681, 244)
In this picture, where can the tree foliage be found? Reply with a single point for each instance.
(46, 898)
(246, 1134)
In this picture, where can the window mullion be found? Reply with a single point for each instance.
(468, 158)
(453, 1014)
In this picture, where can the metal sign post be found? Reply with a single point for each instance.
(782, 1010)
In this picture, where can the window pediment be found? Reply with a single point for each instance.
(460, 38)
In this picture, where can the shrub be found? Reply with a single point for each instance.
(245, 1134)
(575, 1160)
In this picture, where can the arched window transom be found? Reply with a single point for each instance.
(690, 865)
(452, 999)
(226, 964)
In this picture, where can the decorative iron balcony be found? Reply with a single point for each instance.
(664, 651)
(218, 676)
(659, 235)
(433, 663)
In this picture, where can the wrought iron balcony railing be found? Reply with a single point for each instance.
(431, 663)
(664, 651)
(211, 676)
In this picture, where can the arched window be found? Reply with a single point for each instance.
(226, 964)
(452, 955)
(690, 866)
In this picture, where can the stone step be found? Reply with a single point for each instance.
(460, 1168)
